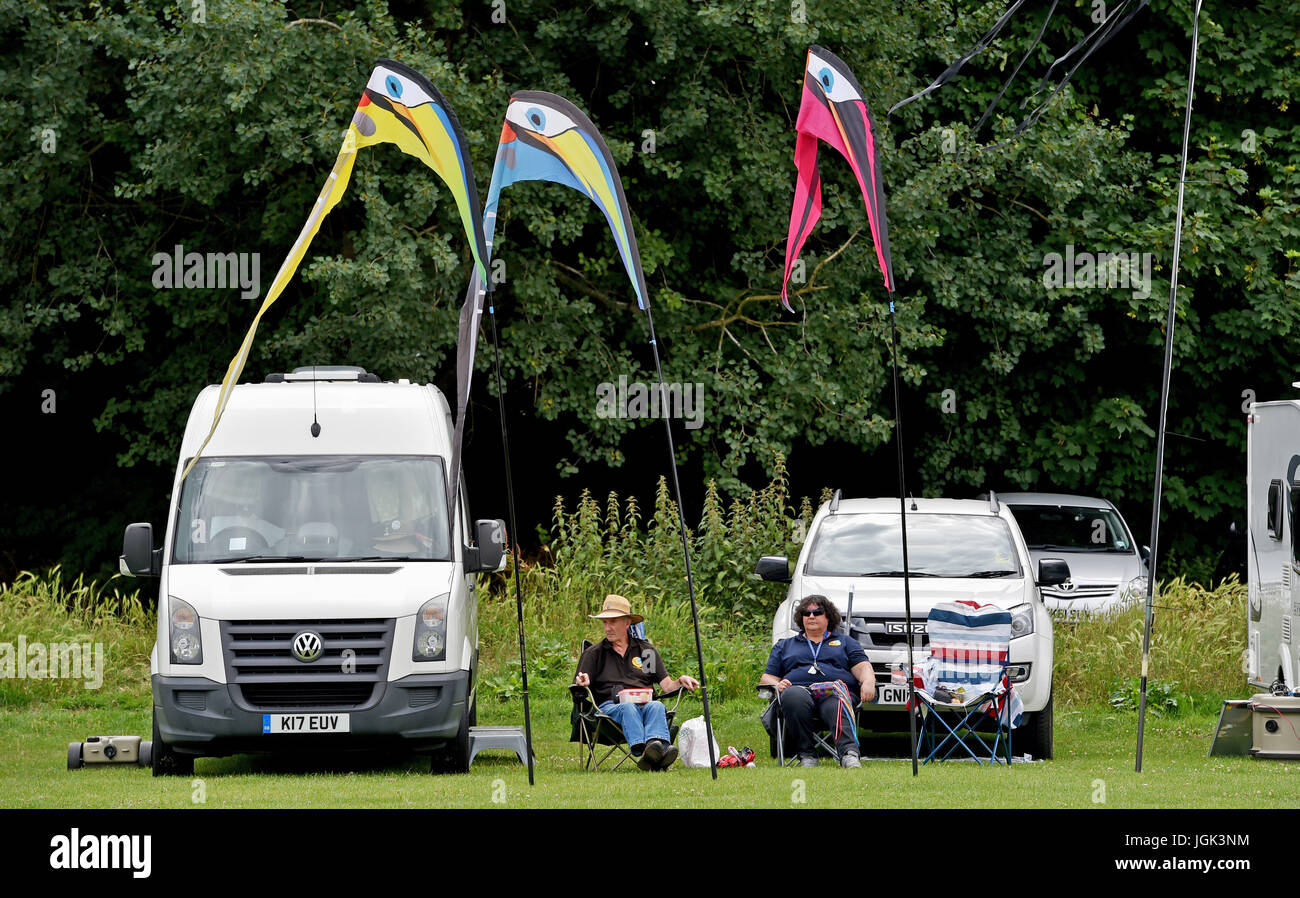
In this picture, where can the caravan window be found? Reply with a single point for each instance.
(1275, 510)
(1295, 531)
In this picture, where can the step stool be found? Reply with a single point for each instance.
(484, 738)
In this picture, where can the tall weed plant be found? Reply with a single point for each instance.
(46, 610)
(1198, 643)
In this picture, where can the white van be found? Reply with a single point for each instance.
(313, 595)
(958, 549)
(1273, 563)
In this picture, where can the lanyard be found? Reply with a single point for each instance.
(814, 652)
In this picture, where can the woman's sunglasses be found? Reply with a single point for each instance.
(812, 612)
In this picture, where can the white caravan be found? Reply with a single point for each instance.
(313, 595)
(1273, 544)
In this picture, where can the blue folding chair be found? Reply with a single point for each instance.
(966, 689)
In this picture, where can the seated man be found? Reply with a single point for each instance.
(805, 670)
(621, 661)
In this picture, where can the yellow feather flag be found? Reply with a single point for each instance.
(401, 107)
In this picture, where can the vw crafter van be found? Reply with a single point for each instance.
(313, 593)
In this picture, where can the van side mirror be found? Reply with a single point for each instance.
(139, 558)
(773, 568)
(490, 553)
(1145, 552)
(1052, 572)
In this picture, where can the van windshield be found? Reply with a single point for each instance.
(313, 508)
(1067, 528)
(938, 545)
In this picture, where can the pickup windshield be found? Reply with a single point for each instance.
(938, 545)
(1065, 528)
(312, 508)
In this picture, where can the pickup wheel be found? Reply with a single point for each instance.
(1039, 732)
(165, 761)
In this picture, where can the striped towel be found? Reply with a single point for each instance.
(969, 648)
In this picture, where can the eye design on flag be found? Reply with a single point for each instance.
(397, 87)
(836, 87)
(543, 120)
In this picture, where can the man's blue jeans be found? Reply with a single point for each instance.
(640, 723)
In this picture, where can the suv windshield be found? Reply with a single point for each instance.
(1073, 529)
(312, 508)
(938, 545)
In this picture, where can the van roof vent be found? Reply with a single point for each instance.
(311, 373)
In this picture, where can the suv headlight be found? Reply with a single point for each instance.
(1022, 621)
(186, 641)
(431, 630)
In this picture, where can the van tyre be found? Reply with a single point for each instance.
(454, 757)
(1040, 732)
(165, 761)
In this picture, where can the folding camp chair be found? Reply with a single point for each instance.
(966, 688)
(774, 720)
(594, 730)
(779, 741)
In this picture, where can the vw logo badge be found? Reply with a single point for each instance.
(307, 646)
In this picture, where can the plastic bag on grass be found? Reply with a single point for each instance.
(691, 744)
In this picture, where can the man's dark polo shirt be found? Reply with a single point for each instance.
(638, 668)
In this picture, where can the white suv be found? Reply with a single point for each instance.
(957, 550)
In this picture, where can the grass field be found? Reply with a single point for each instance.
(1093, 768)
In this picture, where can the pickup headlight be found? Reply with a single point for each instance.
(1022, 621)
(186, 641)
(431, 630)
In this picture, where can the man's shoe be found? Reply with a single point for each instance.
(643, 762)
(654, 753)
(850, 759)
(670, 755)
(807, 760)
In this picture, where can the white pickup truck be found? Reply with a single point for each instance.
(957, 550)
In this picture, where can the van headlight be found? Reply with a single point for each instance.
(1137, 590)
(431, 630)
(187, 643)
(1022, 621)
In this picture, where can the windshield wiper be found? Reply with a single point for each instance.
(987, 574)
(896, 574)
(260, 559)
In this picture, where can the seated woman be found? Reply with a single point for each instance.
(806, 669)
(621, 661)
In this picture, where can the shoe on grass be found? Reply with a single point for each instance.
(850, 759)
(654, 753)
(670, 755)
(807, 760)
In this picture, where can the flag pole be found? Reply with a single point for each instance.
(902, 508)
(1164, 395)
(686, 549)
(514, 533)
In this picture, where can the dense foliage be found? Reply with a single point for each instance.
(135, 126)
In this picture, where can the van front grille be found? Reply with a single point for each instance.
(262, 669)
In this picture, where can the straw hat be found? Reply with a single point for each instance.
(617, 606)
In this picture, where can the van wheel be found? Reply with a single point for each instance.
(454, 757)
(165, 761)
(1040, 732)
